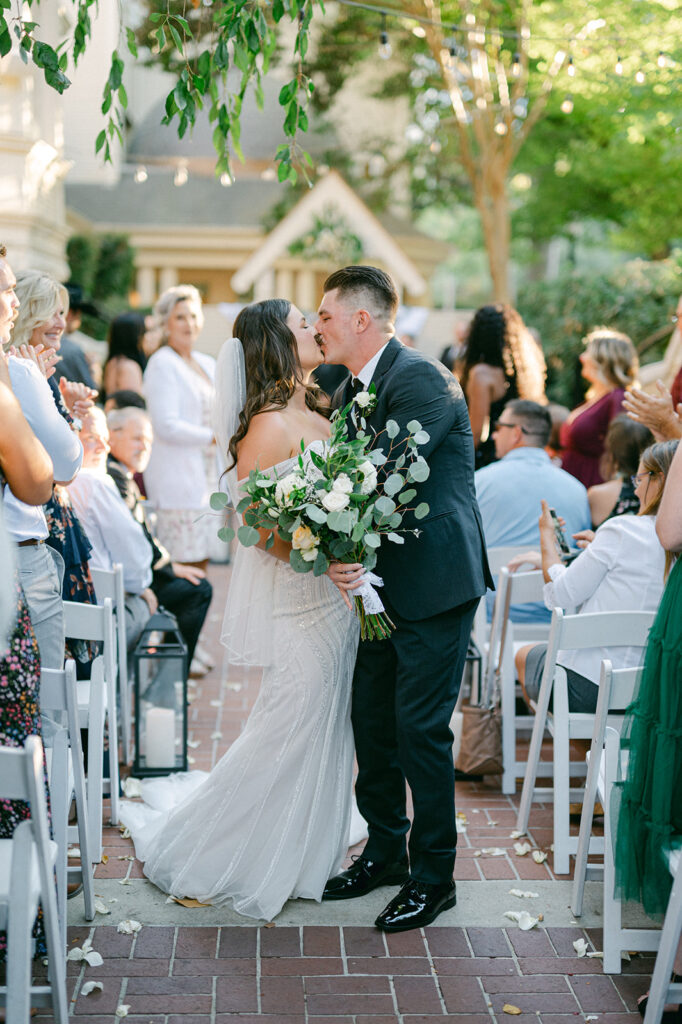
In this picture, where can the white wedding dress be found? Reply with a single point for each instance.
(271, 822)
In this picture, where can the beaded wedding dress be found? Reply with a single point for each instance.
(272, 821)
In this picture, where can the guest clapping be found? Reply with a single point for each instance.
(610, 365)
(178, 385)
(623, 568)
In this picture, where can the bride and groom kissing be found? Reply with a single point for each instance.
(271, 821)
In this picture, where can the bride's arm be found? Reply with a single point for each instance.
(266, 443)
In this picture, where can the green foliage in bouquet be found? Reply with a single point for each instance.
(340, 503)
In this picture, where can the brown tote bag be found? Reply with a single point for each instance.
(480, 751)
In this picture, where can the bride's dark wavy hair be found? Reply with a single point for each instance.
(271, 364)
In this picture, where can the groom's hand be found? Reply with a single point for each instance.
(346, 577)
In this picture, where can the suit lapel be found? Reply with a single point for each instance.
(388, 357)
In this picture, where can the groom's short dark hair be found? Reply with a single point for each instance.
(377, 285)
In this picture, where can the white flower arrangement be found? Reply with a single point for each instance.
(340, 504)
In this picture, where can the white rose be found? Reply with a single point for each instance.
(343, 484)
(363, 398)
(285, 486)
(369, 477)
(334, 501)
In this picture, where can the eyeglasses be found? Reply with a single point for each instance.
(498, 424)
(636, 480)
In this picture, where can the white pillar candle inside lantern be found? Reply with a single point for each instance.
(160, 738)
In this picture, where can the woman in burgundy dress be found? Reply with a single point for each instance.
(610, 364)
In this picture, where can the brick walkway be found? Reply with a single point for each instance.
(200, 966)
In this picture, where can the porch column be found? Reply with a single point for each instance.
(146, 285)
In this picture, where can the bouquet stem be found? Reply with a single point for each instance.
(373, 626)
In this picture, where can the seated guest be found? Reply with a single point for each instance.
(112, 531)
(625, 442)
(509, 491)
(181, 589)
(123, 400)
(623, 568)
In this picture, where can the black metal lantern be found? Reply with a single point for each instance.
(160, 698)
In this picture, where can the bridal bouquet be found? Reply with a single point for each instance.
(339, 504)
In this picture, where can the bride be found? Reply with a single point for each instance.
(271, 821)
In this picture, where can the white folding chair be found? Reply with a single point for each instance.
(497, 557)
(59, 705)
(109, 583)
(27, 865)
(96, 622)
(662, 990)
(505, 638)
(616, 693)
(616, 937)
(570, 632)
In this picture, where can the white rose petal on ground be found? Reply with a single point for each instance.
(216, 735)
(522, 919)
(494, 851)
(101, 908)
(125, 832)
(516, 834)
(597, 954)
(234, 686)
(93, 959)
(194, 744)
(128, 927)
(132, 787)
(91, 986)
(539, 856)
(74, 853)
(122, 1010)
(216, 703)
(580, 946)
(521, 849)
(522, 895)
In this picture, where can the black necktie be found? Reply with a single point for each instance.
(356, 386)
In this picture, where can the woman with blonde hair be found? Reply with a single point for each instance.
(178, 386)
(610, 365)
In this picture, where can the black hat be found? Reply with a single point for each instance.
(77, 301)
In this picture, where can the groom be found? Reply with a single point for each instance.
(405, 688)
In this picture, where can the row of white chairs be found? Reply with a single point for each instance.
(605, 762)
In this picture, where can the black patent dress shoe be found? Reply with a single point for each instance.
(417, 904)
(364, 875)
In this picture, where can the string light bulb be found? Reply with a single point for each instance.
(225, 179)
(567, 105)
(385, 48)
(181, 176)
(571, 68)
(140, 175)
(516, 66)
(640, 77)
(661, 59)
(619, 66)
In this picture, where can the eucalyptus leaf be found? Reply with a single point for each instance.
(372, 540)
(244, 504)
(406, 496)
(248, 536)
(392, 428)
(377, 457)
(422, 437)
(340, 522)
(370, 560)
(270, 541)
(413, 426)
(321, 564)
(395, 538)
(298, 562)
(393, 484)
(384, 506)
(400, 462)
(421, 510)
(418, 471)
(219, 500)
(226, 534)
(395, 521)
(315, 514)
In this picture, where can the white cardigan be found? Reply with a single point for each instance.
(176, 475)
(621, 570)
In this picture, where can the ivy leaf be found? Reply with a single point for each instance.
(132, 42)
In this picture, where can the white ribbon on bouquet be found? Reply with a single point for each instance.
(371, 601)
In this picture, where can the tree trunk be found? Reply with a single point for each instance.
(492, 204)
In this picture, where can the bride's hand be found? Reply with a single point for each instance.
(346, 577)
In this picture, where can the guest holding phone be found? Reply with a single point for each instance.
(622, 568)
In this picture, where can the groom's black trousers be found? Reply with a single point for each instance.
(404, 693)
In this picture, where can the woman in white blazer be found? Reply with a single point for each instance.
(178, 386)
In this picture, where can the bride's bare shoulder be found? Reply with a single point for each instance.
(266, 442)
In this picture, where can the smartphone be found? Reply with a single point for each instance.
(559, 534)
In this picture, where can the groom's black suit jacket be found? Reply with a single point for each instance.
(447, 564)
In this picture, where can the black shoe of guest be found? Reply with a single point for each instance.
(417, 904)
(364, 875)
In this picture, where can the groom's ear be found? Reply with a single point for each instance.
(362, 320)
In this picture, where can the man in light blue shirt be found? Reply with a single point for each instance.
(509, 491)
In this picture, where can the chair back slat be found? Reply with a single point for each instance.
(604, 629)
(89, 621)
(13, 784)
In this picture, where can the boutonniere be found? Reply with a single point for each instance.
(365, 402)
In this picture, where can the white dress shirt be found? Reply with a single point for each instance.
(621, 570)
(113, 532)
(27, 522)
(367, 372)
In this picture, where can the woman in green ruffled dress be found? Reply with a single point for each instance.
(650, 818)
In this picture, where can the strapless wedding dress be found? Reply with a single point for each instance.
(271, 822)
